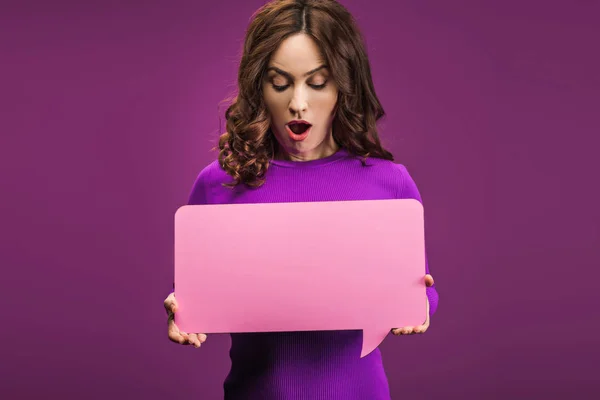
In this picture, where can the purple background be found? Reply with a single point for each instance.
(109, 110)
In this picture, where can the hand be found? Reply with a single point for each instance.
(410, 330)
(175, 335)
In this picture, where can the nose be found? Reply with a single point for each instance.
(299, 103)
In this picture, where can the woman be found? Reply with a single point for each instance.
(302, 128)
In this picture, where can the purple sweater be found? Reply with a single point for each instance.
(308, 365)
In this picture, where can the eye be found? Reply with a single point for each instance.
(318, 87)
(280, 88)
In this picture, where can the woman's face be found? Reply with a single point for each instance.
(298, 87)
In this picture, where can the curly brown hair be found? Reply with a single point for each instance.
(248, 144)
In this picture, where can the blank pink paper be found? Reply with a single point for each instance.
(301, 267)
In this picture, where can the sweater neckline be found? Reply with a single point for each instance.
(338, 155)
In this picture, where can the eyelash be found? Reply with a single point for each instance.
(282, 88)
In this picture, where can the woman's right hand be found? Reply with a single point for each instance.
(175, 335)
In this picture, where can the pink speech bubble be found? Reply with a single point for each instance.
(312, 266)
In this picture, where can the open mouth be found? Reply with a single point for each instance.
(299, 128)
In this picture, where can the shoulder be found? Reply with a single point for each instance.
(213, 173)
(398, 173)
(210, 178)
(408, 186)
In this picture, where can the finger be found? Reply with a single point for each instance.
(170, 303)
(173, 331)
(175, 335)
(197, 339)
(186, 338)
(407, 330)
(193, 340)
(429, 280)
(422, 328)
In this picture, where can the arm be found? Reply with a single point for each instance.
(408, 190)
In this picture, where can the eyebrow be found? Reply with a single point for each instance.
(290, 76)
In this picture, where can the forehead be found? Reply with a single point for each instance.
(297, 54)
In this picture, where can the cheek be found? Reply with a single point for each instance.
(274, 104)
(325, 103)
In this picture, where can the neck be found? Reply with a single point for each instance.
(326, 149)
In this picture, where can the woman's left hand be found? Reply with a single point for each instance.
(409, 330)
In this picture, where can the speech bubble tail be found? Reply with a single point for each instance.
(372, 338)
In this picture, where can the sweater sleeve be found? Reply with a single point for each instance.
(198, 194)
(409, 190)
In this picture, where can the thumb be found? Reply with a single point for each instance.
(429, 280)
(170, 304)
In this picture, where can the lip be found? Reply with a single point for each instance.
(299, 121)
(293, 136)
(297, 138)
